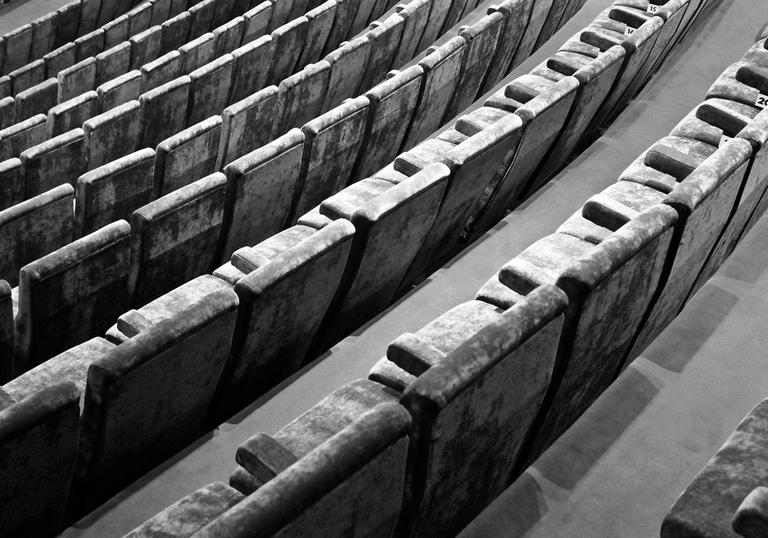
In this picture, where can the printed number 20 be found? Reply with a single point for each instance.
(762, 101)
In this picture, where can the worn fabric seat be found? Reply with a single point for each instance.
(609, 262)
(147, 385)
(351, 480)
(713, 122)
(285, 285)
(38, 446)
(175, 238)
(72, 294)
(34, 228)
(385, 216)
(543, 109)
(596, 77)
(702, 183)
(478, 375)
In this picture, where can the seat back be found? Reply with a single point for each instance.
(516, 13)
(237, 136)
(261, 187)
(544, 116)
(389, 230)
(704, 200)
(608, 258)
(72, 294)
(61, 159)
(147, 397)
(114, 191)
(442, 72)
(284, 292)
(392, 104)
(714, 122)
(301, 96)
(34, 228)
(487, 373)
(38, 445)
(332, 144)
(175, 238)
(483, 39)
(638, 46)
(609, 289)
(385, 38)
(478, 163)
(352, 483)
(596, 78)
(187, 156)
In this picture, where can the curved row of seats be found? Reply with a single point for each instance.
(130, 40)
(414, 20)
(72, 21)
(191, 154)
(146, 268)
(161, 257)
(455, 410)
(224, 80)
(181, 45)
(515, 128)
(104, 195)
(138, 52)
(372, 126)
(26, 80)
(284, 288)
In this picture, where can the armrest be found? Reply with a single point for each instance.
(751, 518)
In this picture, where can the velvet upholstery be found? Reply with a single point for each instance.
(284, 286)
(174, 238)
(480, 375)
(704, 200)
(38, 443)
(35, 227)
(71, 294)
(356, 475)
(610, 279)
(147, 397)
(387, 215)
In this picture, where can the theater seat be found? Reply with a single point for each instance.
(38, 445)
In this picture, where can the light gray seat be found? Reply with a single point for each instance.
(346, 478)
(71, 294)
(285, 285)
(478, 378)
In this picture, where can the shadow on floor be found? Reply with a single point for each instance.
(676, 346)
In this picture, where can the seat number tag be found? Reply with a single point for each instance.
(629, 30)
(761, 101)
(653, 8)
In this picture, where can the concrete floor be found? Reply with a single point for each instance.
(619, 468)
